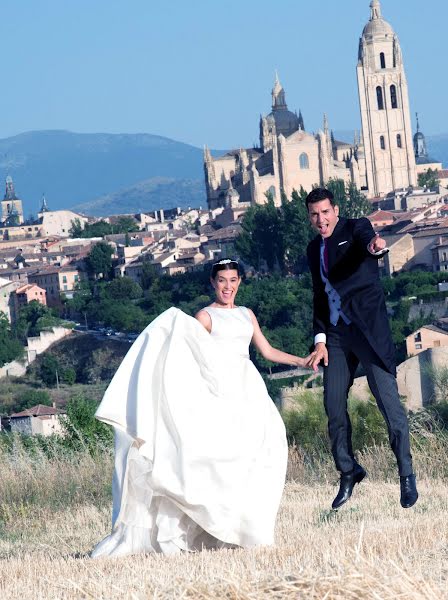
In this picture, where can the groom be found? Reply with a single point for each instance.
(351, 327)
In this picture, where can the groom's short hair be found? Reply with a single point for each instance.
(319, 194)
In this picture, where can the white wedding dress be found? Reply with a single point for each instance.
(200, 448)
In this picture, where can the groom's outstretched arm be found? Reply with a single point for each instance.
(363, 232)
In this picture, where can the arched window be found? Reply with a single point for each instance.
(382, 142)
(382, 60)
(271, 192)
(379, 98)
(399, 144)
(304, 161)
(393, 96)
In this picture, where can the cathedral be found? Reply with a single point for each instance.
(289, 157)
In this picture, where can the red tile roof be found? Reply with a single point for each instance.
(39, 410)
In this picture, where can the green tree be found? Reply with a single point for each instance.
(296, 231)
(82, 429)
(429, 179)
(352, 203)
(123, 288)
(10, 347)
(50, 370)
(33, 318)
(125, 224)
(30, 397)
(69, 376)
(261, 237)
(99, 260)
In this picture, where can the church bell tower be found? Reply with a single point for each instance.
(384, 104)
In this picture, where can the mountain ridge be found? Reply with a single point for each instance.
(106, 173)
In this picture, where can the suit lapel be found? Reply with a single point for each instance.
(333, 241)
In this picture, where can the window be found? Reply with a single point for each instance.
(444, 256)
(399, 145)
(65, 287)
(382, 60)
(64, 279)
(418, 337)
(393, 96)
(382, 142)
(418, 346)
(379, 98)
(304, 161)
(436, 343)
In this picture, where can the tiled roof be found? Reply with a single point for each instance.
(39, 410)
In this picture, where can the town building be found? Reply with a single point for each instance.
(428, 336)
(38, 420)
(25, 294)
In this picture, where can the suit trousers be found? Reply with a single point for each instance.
(347, 347)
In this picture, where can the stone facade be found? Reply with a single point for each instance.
(429, 336)
(384, 103)
(288, 157)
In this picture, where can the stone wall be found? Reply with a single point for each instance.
(36, 345)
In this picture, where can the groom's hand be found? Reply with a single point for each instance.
(377, 244)
(319, 353)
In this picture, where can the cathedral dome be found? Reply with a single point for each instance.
(377, 26)
(286, 122)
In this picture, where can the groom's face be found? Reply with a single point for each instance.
(323, 216)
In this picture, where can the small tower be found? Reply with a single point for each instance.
(43, 206)
(420, 150)
(384, 104)
(11, 206)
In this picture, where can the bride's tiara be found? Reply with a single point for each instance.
(226, 261)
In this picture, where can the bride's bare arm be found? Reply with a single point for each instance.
(204, 319)
(270, 353)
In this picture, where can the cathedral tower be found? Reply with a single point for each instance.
(384, 104)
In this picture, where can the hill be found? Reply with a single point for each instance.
(101, 173)
(75, 169)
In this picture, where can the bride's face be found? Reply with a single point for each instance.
(226, 284)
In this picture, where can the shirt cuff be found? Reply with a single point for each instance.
(320, 338)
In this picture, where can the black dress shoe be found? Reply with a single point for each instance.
(346, 485)
(408, 491)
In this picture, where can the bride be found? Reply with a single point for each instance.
(200, 448)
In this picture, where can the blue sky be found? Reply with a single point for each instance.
(201, 71)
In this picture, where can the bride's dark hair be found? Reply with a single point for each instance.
(226, 264)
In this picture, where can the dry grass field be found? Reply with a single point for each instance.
(53, 512)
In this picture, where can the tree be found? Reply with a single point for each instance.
(33, 318)
(296, 231)
(125, 224)
(49, 369)
(429, 179)
(76, 229)
(82, 429)
(277, 236)
(123, 288)
(99, 260)
(352, 203)
(10, 347)
(261, 238)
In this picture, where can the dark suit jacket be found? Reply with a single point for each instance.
(353, 272)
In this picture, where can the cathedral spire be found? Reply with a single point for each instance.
(44, 206)
(278, 95)
(301, 122)
(375, 10)
(418, 124)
